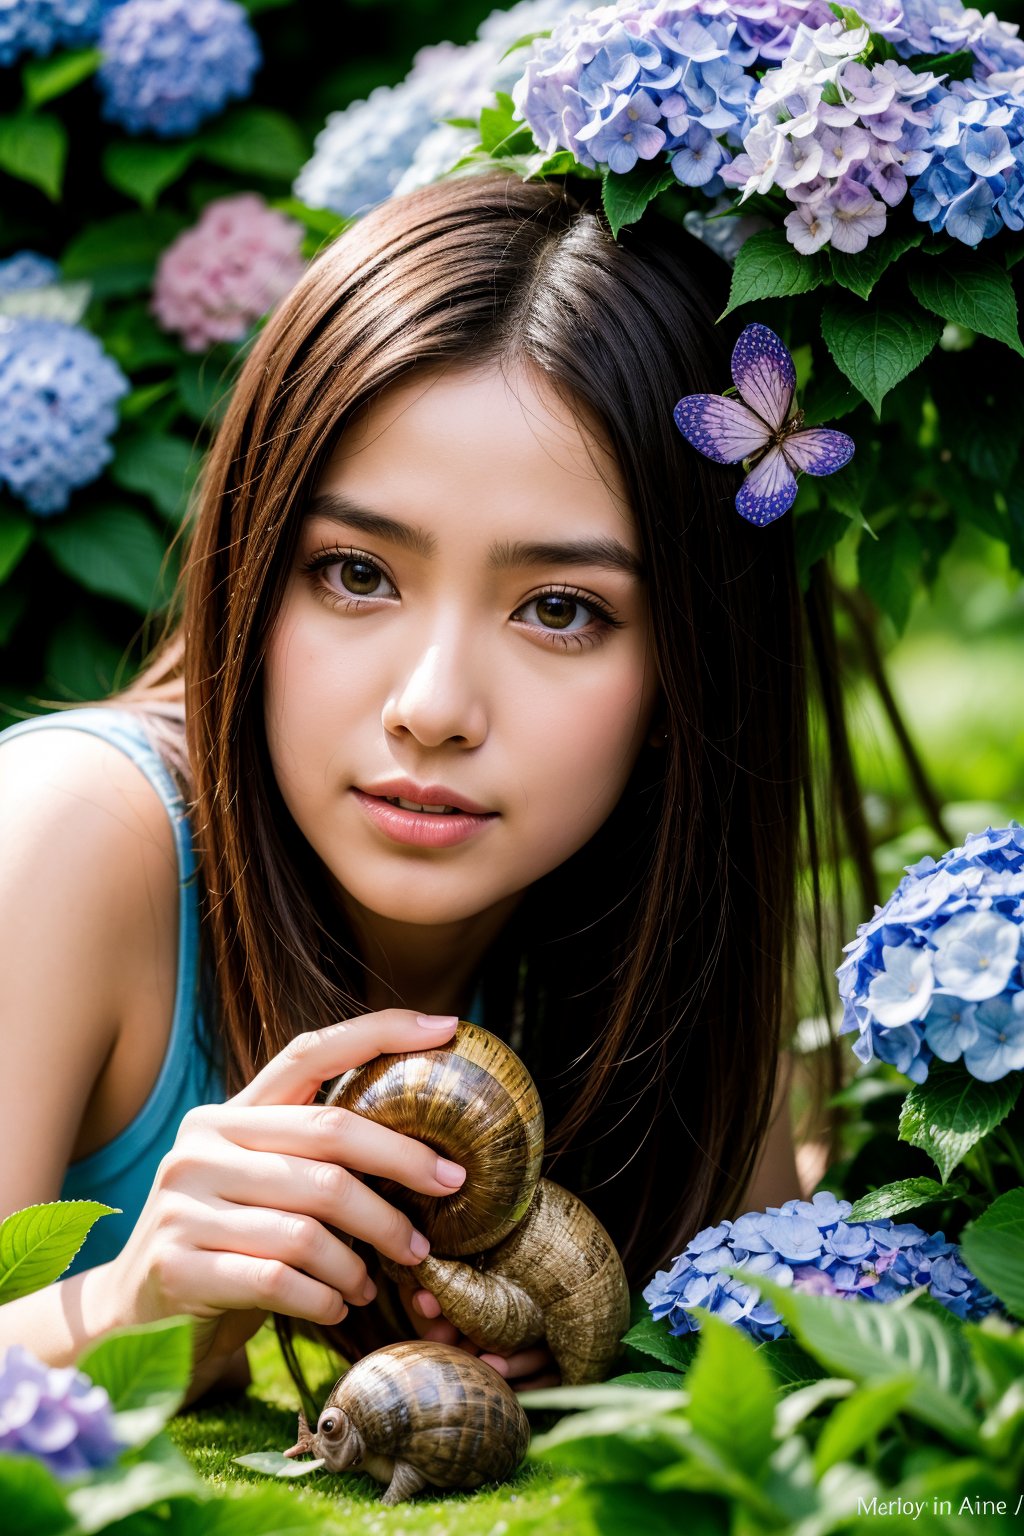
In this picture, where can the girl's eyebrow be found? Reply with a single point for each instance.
(504, 554)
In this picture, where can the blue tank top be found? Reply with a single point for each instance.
(121, 1173)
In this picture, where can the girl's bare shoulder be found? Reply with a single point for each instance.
(88, 922)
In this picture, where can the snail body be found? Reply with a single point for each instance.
(514, 1258)
(419, 1414)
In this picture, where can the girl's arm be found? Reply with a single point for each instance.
(775, 1178)
(246, 1207)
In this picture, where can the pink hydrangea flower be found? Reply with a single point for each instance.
(220, 276)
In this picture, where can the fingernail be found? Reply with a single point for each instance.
(449, 1174)
(437, 1020)
(369, 1291)
(419, 1245)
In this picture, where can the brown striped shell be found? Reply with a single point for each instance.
(418, 1413)
(473, 1101)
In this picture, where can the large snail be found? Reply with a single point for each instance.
(514, 1258)
(419, 1413)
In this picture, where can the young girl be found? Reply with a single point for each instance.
(450, 551)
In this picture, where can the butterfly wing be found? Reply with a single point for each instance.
(763, 372)
(768, 491)
(818, 450)
(721, 429)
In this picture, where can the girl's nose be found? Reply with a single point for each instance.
(437, 700)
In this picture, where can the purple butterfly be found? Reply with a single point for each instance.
(761, 428)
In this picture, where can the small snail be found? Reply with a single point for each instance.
(514, 1258)
(416, 1414)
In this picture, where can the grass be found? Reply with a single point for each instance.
(265, 1417)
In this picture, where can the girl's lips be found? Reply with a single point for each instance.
(421, 829)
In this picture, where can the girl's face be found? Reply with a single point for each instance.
(466, 613)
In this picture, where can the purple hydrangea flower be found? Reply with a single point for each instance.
(811, 1246)
(168, 65)
(58, 394)
(937, 970)
(55, 1414)
(40, 26)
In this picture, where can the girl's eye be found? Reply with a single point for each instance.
(560, 609)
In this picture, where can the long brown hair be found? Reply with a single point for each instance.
(653, 968)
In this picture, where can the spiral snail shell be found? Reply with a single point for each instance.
(514, 1258)
(416, 1414)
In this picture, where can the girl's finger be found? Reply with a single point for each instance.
(426, 1304)
(297, 1241)
(230, 1282)
(295, 1075)
(443, 1332)
(524, 1363)
(325, 1191)
(329, 1134)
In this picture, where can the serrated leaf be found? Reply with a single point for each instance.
(625, 197)
(118, 255)
(34, 148)
(653, 1338)
(972, 290)
(888, 568)
(15, 537)
(38, 1243)
(159, 466)
(277, 1464)
(878, 345)
(860, 272)
(950, 1112)
(45, 79)
(501, 133)
(112, 550)
(859, 1419)
(31, 1498)
(870, 1341)
(732, 1396)
(145, 1370)
(768, 267)
(142, 171)
(993, 1247)
(904, 1195)
(256, 141)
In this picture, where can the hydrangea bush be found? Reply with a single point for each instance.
(55, 1414)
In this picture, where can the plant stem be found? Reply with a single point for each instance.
(1010, 1146)
(984, 1168)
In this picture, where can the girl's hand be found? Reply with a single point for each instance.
(524, 1370)
(252, 1209)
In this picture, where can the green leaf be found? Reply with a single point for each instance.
(277, 1464)
(861, 272)
(122, 1490)
(43, 79)
(998, 1355)
(653, 1338)
(859, 1419)
(952, 1111)
(904, 1195)
(868, 1342)
(204, 387)
(816, 533)
(661, 1381)
(159, 466)
(146, 1371)
(971, 290)
(15, 538)
(790, 1364)
(270, 1511)
(768, 267)
(34, 148)
(142, 171)
(141, 400)
(625, 197)
(38, 1243)
(876, 347)
(13, 603)
(993, 1247)
(31, 1498)
(601, 1395)
(888, 567)
(732, 1396)
(955, 66)
(615, 1444)
(629, 1509)
(795, 1407)
(255, 141)
(112, 550)
(118, 255)
(501, 134)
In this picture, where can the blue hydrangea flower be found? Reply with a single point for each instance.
(40, 26)
(58, 395)
(168, 65)
(937, 970)
(973, 184)
(55, 1414)
(811, 1246)
(27, 269)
